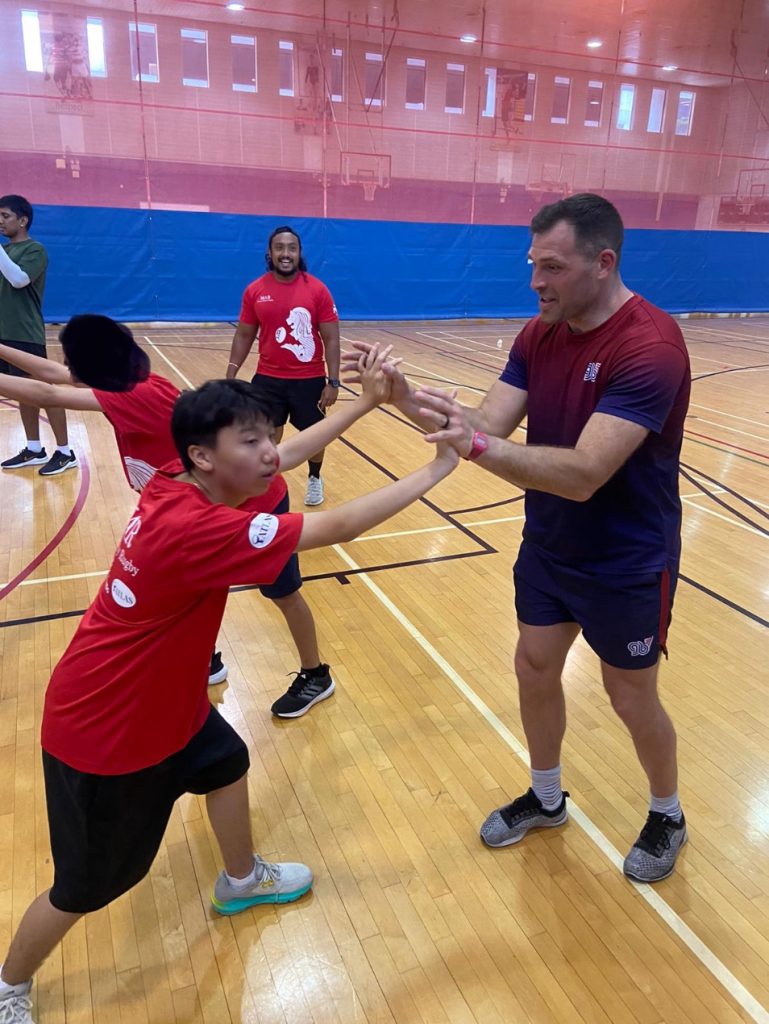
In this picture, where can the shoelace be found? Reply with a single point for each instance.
(655, 835)
(520, 806)
(15, 1009)
(271, 871)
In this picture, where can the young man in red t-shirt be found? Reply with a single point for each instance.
(298, 327)
(127, 725)
(103, 355)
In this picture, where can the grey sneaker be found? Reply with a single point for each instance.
(314, 494)
(16, 1006)
(59, 463)
(307, 689)
(653, 855)
(509, 824)
(26, 458)
(275, 883)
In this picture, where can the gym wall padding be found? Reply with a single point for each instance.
(140, 265)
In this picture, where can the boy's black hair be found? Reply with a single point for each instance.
(199, 415)
(102, 353)
(19, 206)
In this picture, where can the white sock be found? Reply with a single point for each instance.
(17, 990)
(34, 446)
(547, 786)
(669, 805)
(239, 884)
(64, 449)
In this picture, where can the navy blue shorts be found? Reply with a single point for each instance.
(106, 829)
(624, 619)
(292, 400)
(290, 579)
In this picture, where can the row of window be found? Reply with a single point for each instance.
(145, 66)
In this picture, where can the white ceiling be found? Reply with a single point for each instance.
(708, 40)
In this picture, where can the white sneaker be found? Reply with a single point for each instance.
(275, 883)
(15, 1004)
(314, 495)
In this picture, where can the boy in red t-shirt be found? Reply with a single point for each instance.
(103, 355)
(298, 326)
(127, 725)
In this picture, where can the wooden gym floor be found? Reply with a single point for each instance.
(382, 788)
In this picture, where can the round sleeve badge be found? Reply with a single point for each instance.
(262, 530)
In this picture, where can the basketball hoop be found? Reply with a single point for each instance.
(369, 190)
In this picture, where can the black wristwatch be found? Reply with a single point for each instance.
(332, 382)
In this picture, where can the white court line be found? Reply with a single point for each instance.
(727, 336)
(726, 519)
(731, 415)
(165, 358)
(719, 362)
(706, 956)
(433, 529)
(725, 426)
(445, 341)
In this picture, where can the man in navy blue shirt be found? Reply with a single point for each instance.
(604, 378)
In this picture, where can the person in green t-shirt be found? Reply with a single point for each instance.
(23, 265)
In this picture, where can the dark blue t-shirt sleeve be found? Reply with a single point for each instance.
(644, 385)
(515, 371)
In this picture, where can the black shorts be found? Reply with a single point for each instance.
(106, 829)
(624, 619)
(295, 401)
(290, 579)
(31, 347)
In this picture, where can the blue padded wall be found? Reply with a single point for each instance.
(138, 265)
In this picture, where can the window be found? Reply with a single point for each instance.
(336, 74)
(416, 82)
(559, 113)
(243, 63)
(625, 108)
(594, 104)
(455, 89)
(144, 52)
(195, 57)
(657, 111)
(531, 90)
(685, 113)
(94, 30)
(490, 107)
(285, 68)
(374, 84)
(33, 50)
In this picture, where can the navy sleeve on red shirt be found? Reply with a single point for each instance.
(644, 386)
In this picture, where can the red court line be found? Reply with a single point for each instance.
(61, 533)
(717, 440)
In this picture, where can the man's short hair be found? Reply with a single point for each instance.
(19, 206)
(102, 353)
(282, 230)
(596, 222)
(199, 415)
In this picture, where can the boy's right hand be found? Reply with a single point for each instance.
(351, 373)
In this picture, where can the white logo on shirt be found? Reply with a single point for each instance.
(134, 525)
(300, 322)
(139, 473)
(265, 298)
(591, 373)
(122, 595)
(262, 530)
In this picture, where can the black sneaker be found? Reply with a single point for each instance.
(653, 855)
(509, 824)
(59, 463)
(308, 688)
(25, 458)
(217, 673)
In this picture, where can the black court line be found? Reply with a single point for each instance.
(733, 369)
(724, 600)
(723, 504)
(725, 487)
